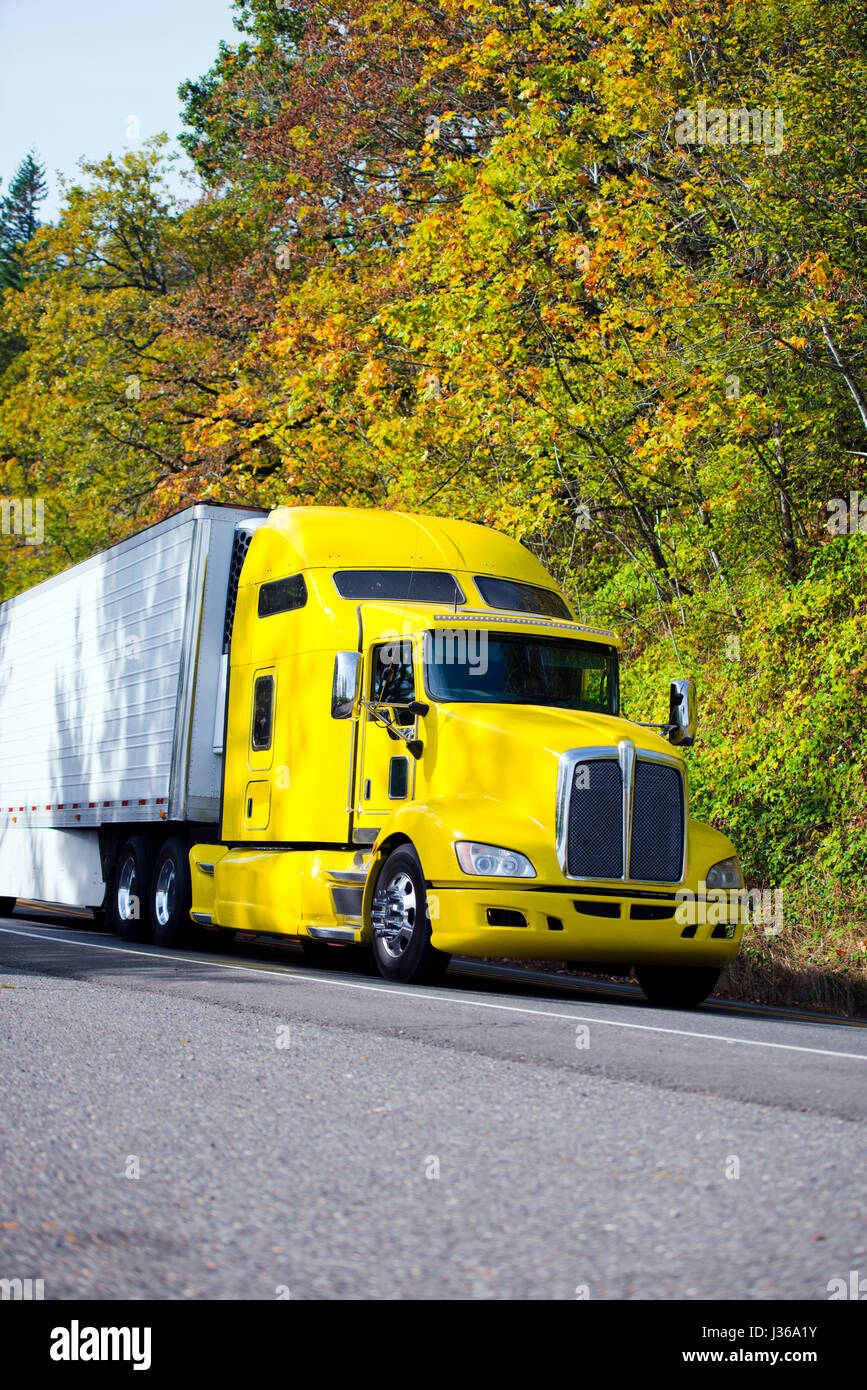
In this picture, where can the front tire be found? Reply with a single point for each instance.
(402, 947)
(677, 986)
(128, 907)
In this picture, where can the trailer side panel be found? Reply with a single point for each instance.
(108, 682)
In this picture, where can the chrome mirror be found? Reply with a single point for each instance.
(344, 690)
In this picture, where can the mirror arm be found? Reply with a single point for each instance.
(379, 714)
(394, 731)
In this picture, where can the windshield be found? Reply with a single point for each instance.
(494, 668)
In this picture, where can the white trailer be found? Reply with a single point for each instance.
(112, 703)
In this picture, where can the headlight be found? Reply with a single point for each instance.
(492, 862)
(725, 874)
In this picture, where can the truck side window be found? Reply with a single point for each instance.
(282, 595)
(521, 598)
(411, 586)
(263, 712)
(393, 682)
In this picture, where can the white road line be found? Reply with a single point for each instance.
(285, 972)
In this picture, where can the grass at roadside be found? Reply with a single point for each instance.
(817, 961)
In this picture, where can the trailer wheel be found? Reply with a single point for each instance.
(6, 906)
(677, 986)
(129, 900)
(172, 897)
(402, 946)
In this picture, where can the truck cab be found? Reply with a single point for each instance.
(425, 754)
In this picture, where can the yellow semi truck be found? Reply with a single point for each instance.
(379, 731)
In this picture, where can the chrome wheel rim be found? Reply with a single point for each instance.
(394, 914)
(127, 898)
(166, 893)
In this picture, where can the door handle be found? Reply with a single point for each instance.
(249, 808)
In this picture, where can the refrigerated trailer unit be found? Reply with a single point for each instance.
(112, 702)
(358, 729)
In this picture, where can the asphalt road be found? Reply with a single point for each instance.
(182, 1125)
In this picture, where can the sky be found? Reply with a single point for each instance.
(72, 75)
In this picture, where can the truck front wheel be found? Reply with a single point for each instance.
(129, 898)
(677, 986)
(402, 946)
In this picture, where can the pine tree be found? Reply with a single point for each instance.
(18, 219)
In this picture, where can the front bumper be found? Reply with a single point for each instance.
(582, 926)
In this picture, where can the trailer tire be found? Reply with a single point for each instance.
(6, 906)
(402, 946)
(172, 896)
(128, 906)
(677, 986)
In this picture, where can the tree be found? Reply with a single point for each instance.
(241, 92)
(18, 218)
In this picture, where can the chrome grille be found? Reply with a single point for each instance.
(595, 840)
(656, 843)
(621, 814)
